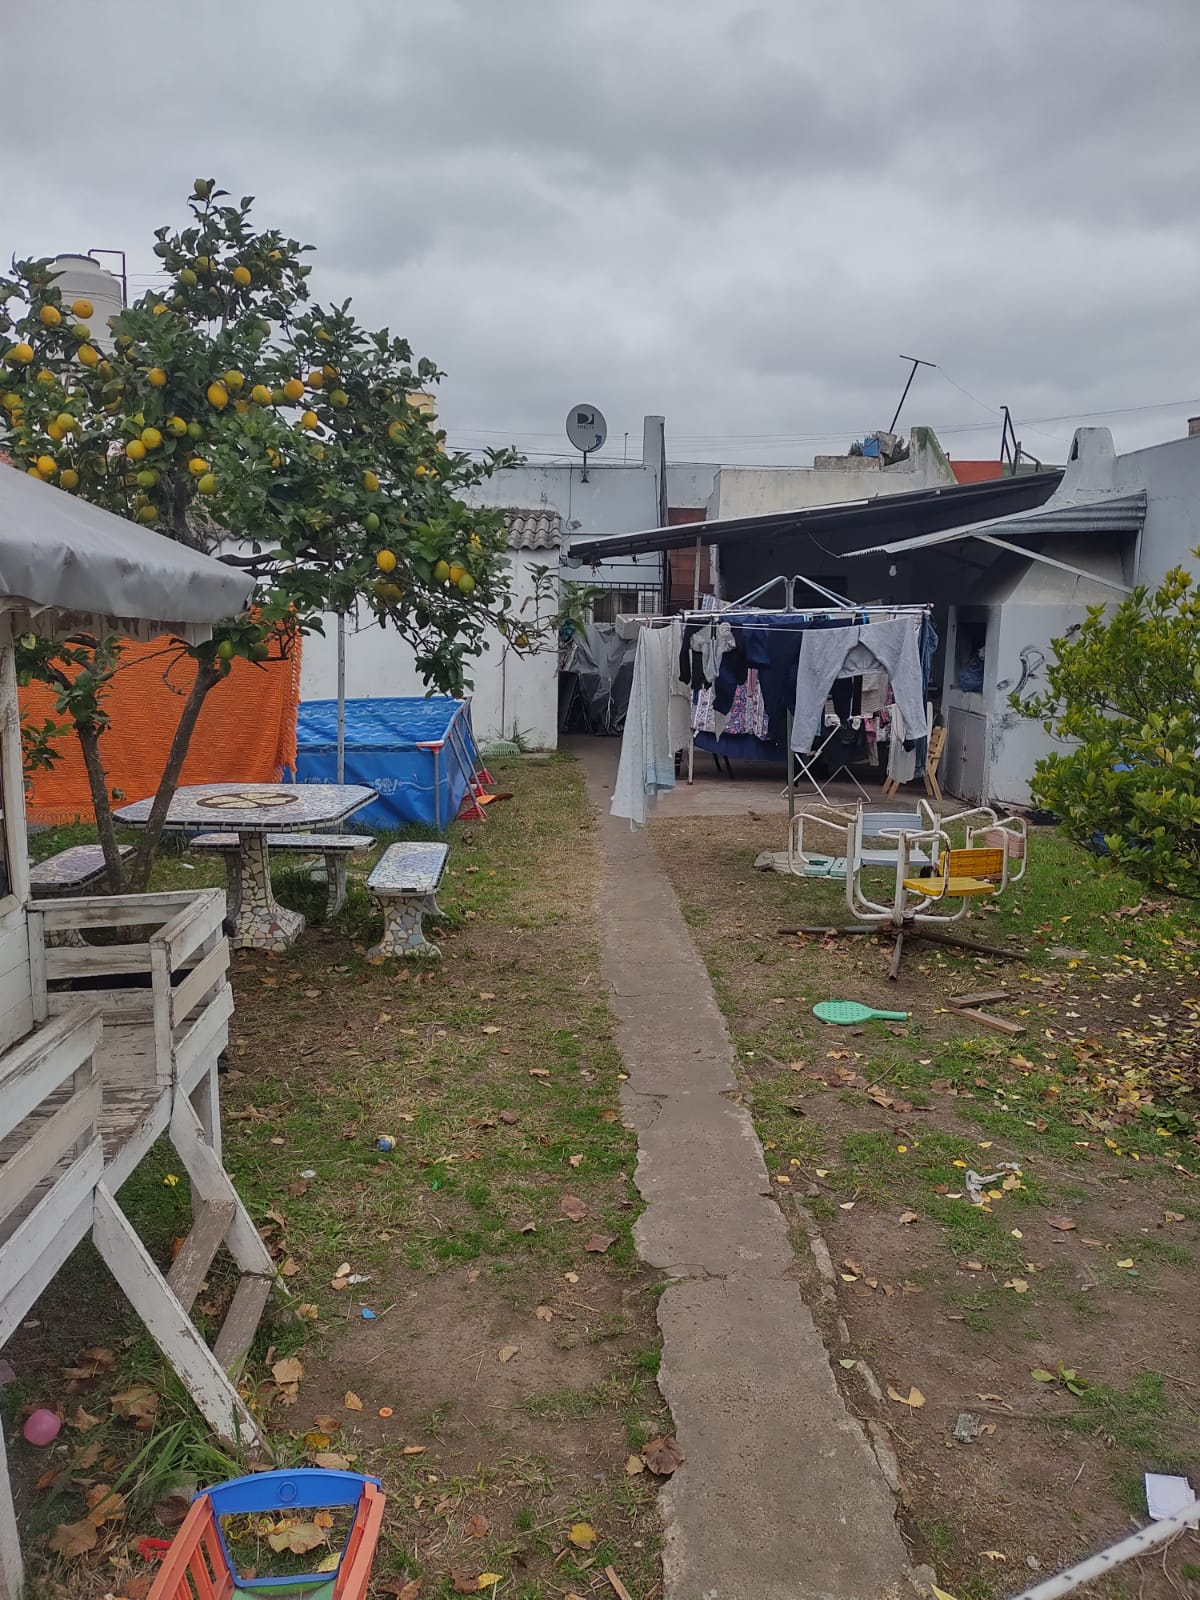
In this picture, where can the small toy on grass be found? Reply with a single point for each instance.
(385, 1144)
(42, 1427)
(848, 1011)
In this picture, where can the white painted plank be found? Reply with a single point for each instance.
(212, 1182)
(37, 966)
(190, 1267)
(12, 1573)
(117, 910)
(95, 961)
(169, 1325)
(189, 928)
(40, 1155)
(16, 1023)
(203, 976)
(198, 1047)
(44, 1240)
(32, 1070)
(233, 1343)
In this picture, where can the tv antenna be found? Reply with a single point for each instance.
(916, 362)
(587, 431)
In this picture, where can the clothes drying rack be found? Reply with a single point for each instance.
(744, 609)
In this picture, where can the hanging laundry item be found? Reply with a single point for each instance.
(827, 654)
(657, 724)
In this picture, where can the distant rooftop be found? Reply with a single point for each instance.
(536, 528)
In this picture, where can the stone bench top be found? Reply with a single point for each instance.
(409, 868)
(72, 868)
(287, 841)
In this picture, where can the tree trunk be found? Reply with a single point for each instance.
(207, 677)
(89, 743)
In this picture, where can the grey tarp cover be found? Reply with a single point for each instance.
(62, 559)
(603, 660)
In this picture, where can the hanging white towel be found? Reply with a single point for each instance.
(656, 724)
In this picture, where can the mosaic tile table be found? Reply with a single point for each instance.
(252, 810)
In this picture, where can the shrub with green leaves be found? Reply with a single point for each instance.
(1124, 693)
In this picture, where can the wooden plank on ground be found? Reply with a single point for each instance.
(201, 1245)
(985, 997)
(987, 1020)
(241, 1322)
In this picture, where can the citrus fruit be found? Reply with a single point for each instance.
(218, 395)
(241, 276)
(329, 373)
(476, 542)
(388, 591)
(207, 484)
(188, 278)
(371, 522)
(47, 377)
(135, 450)
(68, 477)
(315, 378)
(308, 419)
(151, 438)
(339, 398)
(89, 355)
(21, 353)
(157, 377)
(50, 316)
(203, 264)
(457, 570)
(274, 458)
(260, 650)
(160, 310)
(56, 433)
(147, 513)
(47, 466)
(225, 650)
(202, 188)
(196, 466)
(421, 471)
(9, 400)
(385, 560)
(277, 397)
(195, 431)
(441, 571)
(234, 381)
(81, 331)
(395, 431)
(66, 421)
(293, 389)
(465, 584)
(370, 482)
(261, 395)
(147, 479)
(176, 427)
(34, 473)
(521, 641)
(82, 309)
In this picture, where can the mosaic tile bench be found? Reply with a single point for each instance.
(405, 882)
(76, 867)
(337, 848)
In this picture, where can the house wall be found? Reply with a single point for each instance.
(758, 491)
(509, 689)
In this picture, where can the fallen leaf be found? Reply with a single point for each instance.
(973, 1266)
(599, 1242)
(298, 1537)
(663, 1455)
(413, 1450)
(73, 1539)
(634, 1465)
(327, 1424)
(138, 1405)
(172, 1511)
(1017, 1285)
(476, 1526)
(909, 1216)
(583, 1535)
(329, 1563)
(544, 1314)
(463, 1582)
(914, 1399)
(508, 1117)
(1172, 1216)
(994, 1555)
(939, 1594)
(539, 1072)
(485, 1580)
(331, 1461)
(848, 1362)
(83, 1421)
(491, 1028)
(574, 1161)
(403, 1588)
(104, 1504)
(290, 1370)
(352, 1402)
(1128, 1262)
(571, 1277)
(1040, 1375)
(1063, 1224)
(572, 1206)
(507, 1352)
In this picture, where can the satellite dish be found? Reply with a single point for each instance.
(587, 431)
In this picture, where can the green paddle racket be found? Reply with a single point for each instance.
(847, 1011)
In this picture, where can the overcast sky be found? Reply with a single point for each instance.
(735, 214)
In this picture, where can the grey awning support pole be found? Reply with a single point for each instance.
(1050, 561)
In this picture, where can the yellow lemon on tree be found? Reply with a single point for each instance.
(197, 466)
(388, 591)
(456, 571)
(10, 400)
(147, 513)
(135, 450)
(21, 353)
(441, 571)
(81, 331)
(45, 376)
(370, 482)
(329, 373)
(176, 427)
(47, 466)
(82, 308)
(465, 583)
(234, 380)
(385, 560)
(203, 263)
(68, 477)
(157, 377)
(151, 438)
(315, 379)
(260, 394)
(421, 471)
(55, 432)
(395, 431)
(34, 473)
(66, 421)
(160, 310)
(308, 419)
(241, 276)
(89, 355)
(218, 395)
(207, 484)
(50, 316)
(147, 479)
(476, 542)
(195, 431)
(293, 389)
(188, 278)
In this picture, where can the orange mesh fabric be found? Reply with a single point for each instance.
(246, 731)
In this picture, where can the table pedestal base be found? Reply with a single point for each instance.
(403, 934)
(259, 921)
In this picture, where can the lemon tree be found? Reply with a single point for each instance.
(228, 411)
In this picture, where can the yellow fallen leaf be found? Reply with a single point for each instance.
(488, 1578)
(329, 1563)
(1017, 1234)
(1128, 1262)
(939, 1594)
(352, 1402)
(507, 1351)
(583, 1535)
(913, 1399)
(288, 1371)
(994, 1555)
(634, 1465)
(1017, 1285)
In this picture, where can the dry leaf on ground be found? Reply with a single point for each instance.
(507, 1351)
(599, 1242)
(583, 1535)
(298, 1537)
(572, 1206)
(352, 1402)
(402, 1588)
(1063, 1224)
(138, 1405)
(289, 1370)
(662, 1455)
(477, 1525)
(634, 1465)
(463, 1582)
(71, 1539)
(544, 1314)
(914, 1399)
(331, 1461)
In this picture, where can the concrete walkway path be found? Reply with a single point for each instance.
(781, 1496)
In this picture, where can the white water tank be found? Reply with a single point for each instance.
(81, 278)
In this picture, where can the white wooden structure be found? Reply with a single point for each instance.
(106, 1046)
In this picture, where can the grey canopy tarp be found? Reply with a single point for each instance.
(64, 561)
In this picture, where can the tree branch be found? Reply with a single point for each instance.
(207, 677)
(89, 743)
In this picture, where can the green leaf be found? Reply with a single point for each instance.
(1040, 1375)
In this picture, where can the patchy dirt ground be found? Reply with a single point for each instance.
(1081, 1261)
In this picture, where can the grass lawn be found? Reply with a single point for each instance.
(1083, 1261)
(505, 1383)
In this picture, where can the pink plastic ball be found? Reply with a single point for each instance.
(42, 1427)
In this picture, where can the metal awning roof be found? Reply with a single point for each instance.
(63, 559)
(934, 509)
(1105, 514)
